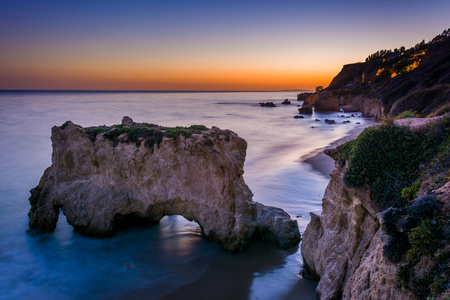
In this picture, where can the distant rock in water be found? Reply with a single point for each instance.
(303, 96)
(328, 121)
(107, 177)
(286, 102)
(267, 104)
(306, 109)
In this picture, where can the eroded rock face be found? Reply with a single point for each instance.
(344, 245)
(100, 184)
(334, 243)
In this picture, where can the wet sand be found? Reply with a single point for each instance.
(321, 162)
(231, 276)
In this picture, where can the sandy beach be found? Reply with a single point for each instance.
(321, 162)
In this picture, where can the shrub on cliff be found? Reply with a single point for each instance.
(387, 159)
(408, 114)
(391, 159)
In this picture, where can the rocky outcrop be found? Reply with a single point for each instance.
(343, 245)
(392, 82)
(335, 242)
(306, 109)
(369, 106)
(311, 99)
(106, 177)
(357, 248)
(326, 102)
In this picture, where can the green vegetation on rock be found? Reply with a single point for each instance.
(403, 275)
(408, 114)
(386, 159)
(423, 240)
(148, 133)
(390, 158)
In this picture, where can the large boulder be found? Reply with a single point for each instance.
(105, 177)
(326, 102)
(306, 109)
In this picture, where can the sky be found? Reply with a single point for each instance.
(201, 45)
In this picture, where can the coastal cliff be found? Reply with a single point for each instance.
(106, 177)
(390, 82)
(384, 228)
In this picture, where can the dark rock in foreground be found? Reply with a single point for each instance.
(106, 177)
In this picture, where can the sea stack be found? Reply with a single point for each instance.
(108, 176)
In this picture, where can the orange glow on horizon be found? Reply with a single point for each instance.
(72, 78)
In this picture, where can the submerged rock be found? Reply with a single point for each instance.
(106, 177)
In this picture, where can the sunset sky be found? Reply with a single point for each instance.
(201, 45)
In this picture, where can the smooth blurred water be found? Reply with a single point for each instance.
(170, 260)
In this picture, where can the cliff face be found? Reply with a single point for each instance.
(106, 177)
(384, 238)
(343, 245)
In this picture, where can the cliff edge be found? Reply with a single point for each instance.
(106, 177)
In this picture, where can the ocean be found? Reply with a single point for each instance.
(170, 260)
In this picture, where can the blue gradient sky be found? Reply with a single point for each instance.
(201, 45)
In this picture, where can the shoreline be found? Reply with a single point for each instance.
(322, 163)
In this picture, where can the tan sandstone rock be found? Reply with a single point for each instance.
(99, 183)
(343, 246)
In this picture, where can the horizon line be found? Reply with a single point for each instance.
(148, 91)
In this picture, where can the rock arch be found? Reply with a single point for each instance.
(196, 174)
